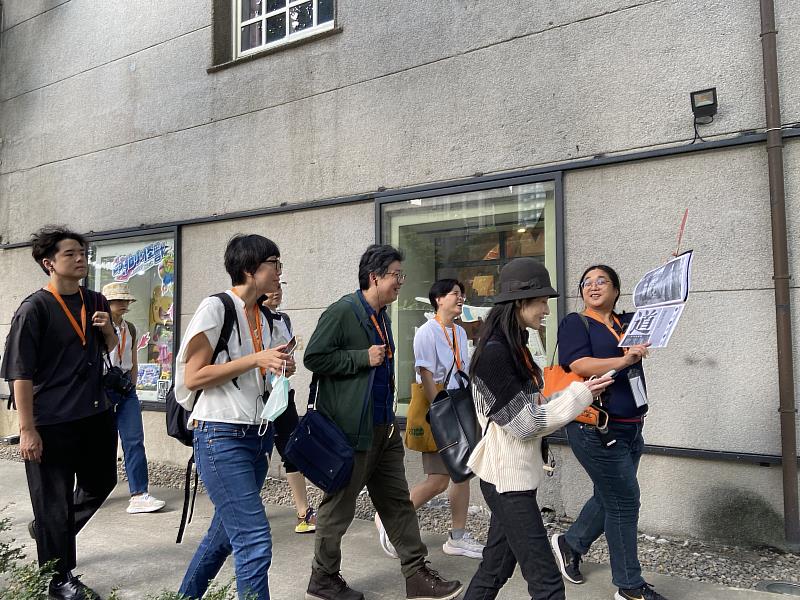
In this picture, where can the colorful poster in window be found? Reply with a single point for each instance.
(147, 265)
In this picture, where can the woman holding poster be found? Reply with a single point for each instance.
(588, 346)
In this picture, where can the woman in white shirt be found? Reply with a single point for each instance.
(127, 409)
(231, 443)
(439, 346)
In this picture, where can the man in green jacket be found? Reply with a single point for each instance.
(351, 353)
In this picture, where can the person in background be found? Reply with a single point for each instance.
(440, 347)
(54, 365)
(352, 353)
(588, 346)
(127, 409)
(280, 334)
(231, 445)
(509, 461)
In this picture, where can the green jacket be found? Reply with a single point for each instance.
(338, 354)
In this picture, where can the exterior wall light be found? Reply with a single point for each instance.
(704, 105)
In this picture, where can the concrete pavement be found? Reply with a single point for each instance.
(137, 553)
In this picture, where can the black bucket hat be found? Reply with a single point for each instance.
(524, 278)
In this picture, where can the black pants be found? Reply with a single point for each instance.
(516, 535)
(85, 450)
(284, 427)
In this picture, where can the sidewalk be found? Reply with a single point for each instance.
(137, 553)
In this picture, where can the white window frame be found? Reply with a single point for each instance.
(315, 28)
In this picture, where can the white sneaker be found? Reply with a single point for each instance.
(384, 539)
(144, 503)
(467, 546)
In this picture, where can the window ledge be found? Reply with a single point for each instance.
(288, 45)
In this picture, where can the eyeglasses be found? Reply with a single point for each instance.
(277, 262)
(399, 275)
(458, 295)
(599, 282)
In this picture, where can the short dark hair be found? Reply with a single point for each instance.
(45, 242)
(612, 275)
(442, 288)
(376, 259)
(245, 253)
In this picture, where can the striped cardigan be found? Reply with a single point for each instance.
(509, 454)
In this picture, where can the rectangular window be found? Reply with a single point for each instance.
(262, 24)
(468, 237)
(147, 265)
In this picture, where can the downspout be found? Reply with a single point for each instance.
(780, 259)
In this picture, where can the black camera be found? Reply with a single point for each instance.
(117, 381)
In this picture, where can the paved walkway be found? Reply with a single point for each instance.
(137, 553)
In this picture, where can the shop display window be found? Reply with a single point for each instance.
(147, 265)
(469, 237)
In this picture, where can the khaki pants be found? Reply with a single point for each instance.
(382, 470)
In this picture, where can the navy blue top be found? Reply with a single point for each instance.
(383, 382)
(575, 341)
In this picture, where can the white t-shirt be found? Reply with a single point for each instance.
(125, 347)
(433, 352)
(225, 403)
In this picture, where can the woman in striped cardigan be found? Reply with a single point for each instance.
(508, 460)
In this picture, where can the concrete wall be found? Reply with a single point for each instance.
(402, 96)
(109, 119)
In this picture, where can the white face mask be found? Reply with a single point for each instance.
(278, 398)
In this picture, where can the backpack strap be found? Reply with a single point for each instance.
(228, 323)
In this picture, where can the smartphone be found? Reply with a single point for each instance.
(290, 347)
(611, 373)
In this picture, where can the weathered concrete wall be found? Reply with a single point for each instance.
(133, 117)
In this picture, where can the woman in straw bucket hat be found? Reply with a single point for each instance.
(127, 409)
(506, 384)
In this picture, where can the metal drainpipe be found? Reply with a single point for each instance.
(780, 258)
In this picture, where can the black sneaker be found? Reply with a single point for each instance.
(567, 559)
(322, 586)
(646, 592)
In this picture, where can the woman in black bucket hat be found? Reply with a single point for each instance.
(506, 384)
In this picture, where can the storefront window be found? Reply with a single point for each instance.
(147, 265)
(468, 237)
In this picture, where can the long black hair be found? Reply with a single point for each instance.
(503, 325)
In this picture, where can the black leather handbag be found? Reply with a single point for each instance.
(454, 425)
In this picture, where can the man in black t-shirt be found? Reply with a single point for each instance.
(54, 364)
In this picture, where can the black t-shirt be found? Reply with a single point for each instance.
(575, 341)
(42, 346)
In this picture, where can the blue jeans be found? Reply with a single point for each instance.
(232, 462)
(128, 412)
(614, 507)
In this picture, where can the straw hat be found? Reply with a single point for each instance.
(118, 291)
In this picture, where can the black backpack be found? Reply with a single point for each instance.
(178, 417)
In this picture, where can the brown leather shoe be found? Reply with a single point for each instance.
(427, 584)
(322, 586)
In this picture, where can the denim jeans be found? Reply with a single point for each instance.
(516, 536)
(128, 412)
(614, 507)
(232, 462)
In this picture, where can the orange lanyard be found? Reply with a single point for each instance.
(598, 317)
(123, 336)
(256, 334)
(384, 335)
(81, 331)
(454, 344)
